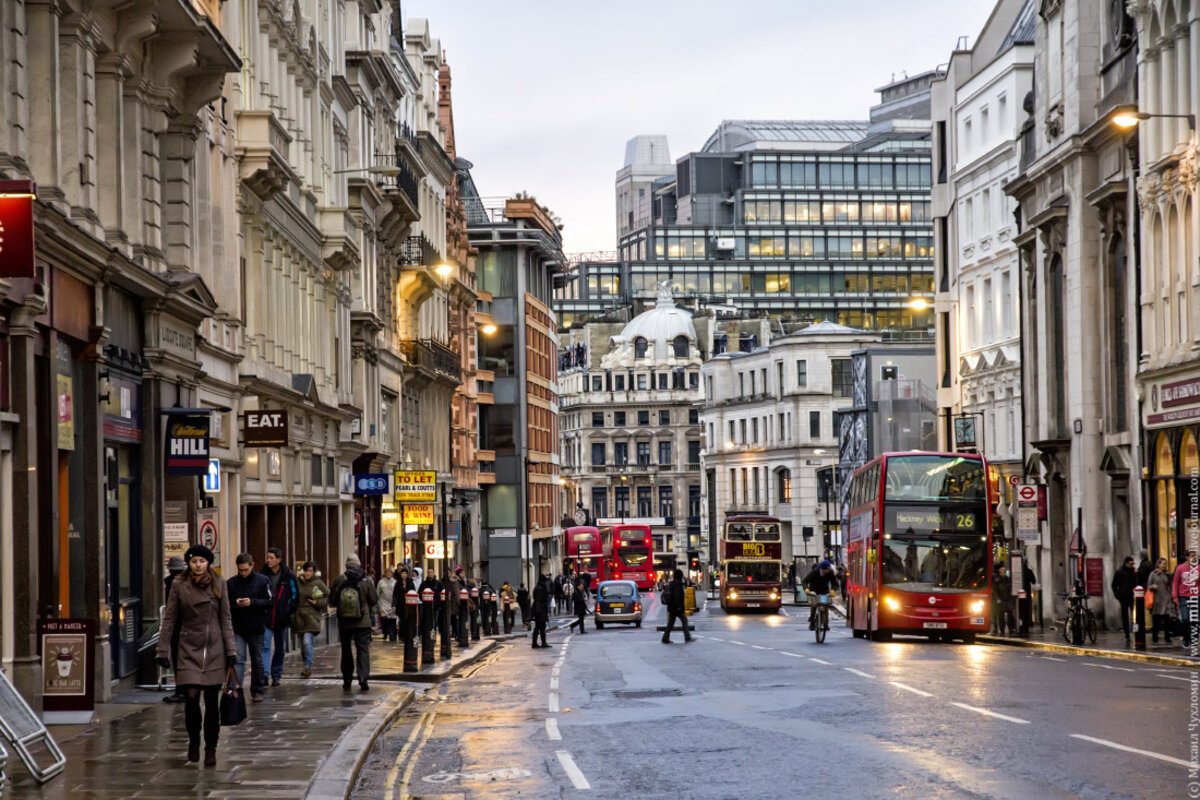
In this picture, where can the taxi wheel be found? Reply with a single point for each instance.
(599, 625)
(637, 624)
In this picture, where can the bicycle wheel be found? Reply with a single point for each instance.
(1089, 626)
(1067, 627)
(822, 624)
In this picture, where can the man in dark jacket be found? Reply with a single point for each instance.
(285, 596)
(819, 580)
(541, 610)
(352, 596)
(249, 599)
(523, 604)
(580, 604)
(674, 603)
(1124, 579)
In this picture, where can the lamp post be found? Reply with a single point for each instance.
(1130, 117)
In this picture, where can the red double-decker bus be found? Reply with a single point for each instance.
(919, 546)
(751, 562)
(588, 551)
(632, 554)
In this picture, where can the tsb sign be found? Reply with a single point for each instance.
(371, 483)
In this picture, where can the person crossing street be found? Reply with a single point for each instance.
(675, 609)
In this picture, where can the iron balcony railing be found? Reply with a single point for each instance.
(432, 357)
(417, 251)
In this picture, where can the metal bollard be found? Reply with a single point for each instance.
(463, 597)
(475, 614)
(412, 602)
(1139, 618)
(428, 656)
(485, 597)
(444, 624)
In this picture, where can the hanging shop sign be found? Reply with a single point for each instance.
(964, 433)
(265, 428)
(1173, 401)
(434, 549)
(371, 483)
(418, 515)
(416, 487)
(187, 445)
(16, 229)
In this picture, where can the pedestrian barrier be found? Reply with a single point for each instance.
(3, 766)
(27, 735)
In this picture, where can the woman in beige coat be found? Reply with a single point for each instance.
(199, 608)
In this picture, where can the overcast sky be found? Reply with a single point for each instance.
(547, 92)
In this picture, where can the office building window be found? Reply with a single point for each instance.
(814, 424)
(745, 486)
(742, 425)
(664, 454)
(664, 417)
(618, 419)
(754, 430)
(621, 498)
(802, 373)
(693, 503)
(598, 453)
(621, 453)
(693, 416)
(597, 419)
(644, 508)
(842, 375)
(643, 454)
(782, 430)
(599, 503)
(756, 486)
(597, 383)
(641, 382)
(639, 347)
(785, 486)
(662, 380)
(643, 418)
(666, 502)
(693, 380)
(619, 383)
(693, 451)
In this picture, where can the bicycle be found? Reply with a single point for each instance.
(1080, 622)
(821, 615)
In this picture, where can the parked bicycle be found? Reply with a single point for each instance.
(1080, 622)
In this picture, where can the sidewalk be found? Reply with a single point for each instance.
(307, 739)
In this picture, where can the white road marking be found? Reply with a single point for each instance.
(1052, 658)
(793, 655)
(910, 689)
(573, 771)
(819, 661)
(554, 702)
(858, 672)
(552, 729)
(731, 641)
(784, 612)
(756, 647)
(979, 710)
(1174, 677)
(1106, 666)
(554, 683)
(1146, 753)
(715, 639)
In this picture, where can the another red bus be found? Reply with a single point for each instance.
(589, 551)
(751, 562)
(919, 546)
(632, 554)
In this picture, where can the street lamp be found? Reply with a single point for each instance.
(1130, 117)
(443, 270)
(488, 330)
(918, 304)
(386, 170)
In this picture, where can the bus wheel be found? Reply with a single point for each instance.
(880, 636)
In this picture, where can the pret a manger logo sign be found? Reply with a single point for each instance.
(187, 445)
(265, 428)
(16, 229)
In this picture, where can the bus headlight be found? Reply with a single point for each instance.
(732, 595)
(774, 595)
(977, 607)
(891, 603)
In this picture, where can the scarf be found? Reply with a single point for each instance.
(205, 580)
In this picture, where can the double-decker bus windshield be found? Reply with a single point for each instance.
(634, 556)
(766, 532)
(752, 572)
(930, 563)
(739, 532)
(938, 478)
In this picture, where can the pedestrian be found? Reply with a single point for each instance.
(674, 603)
(558, 594)
(1159, 584)
(387, 605)
(1145, 567)
(1001, 599)
(523, 604)
(284, 596)
(1185, 591)
(541, 596)
(199, 609)
(310, 612)
(249, 600)
(403, 614)
(508, 599)
(354, 596)
(176, 566)
(1123, 581)
(1025, 604)
(580, 602)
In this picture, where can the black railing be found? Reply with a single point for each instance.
(409, 134)
(417, 251)
(428, 355)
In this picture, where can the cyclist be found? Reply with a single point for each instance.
(820, 580)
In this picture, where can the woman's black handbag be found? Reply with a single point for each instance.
(233, 700)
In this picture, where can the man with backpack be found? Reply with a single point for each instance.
(353, 596)
(285, 596)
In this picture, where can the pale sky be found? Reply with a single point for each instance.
(547, 92)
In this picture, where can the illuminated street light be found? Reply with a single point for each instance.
(918, 304)
(1130, 117)
(488, 330)
(443, 270)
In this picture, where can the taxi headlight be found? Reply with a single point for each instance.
(891, 603)
(977, 607)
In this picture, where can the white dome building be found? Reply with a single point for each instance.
(664, 335)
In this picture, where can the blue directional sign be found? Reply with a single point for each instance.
(452, 531)
(212, 479)
(371, 483)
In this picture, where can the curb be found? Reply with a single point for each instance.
(444, 669)
(338, 773)
(1095, 652)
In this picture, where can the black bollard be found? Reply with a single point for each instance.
(474, 614)
(444, 623)
(1139, 618)
(412, 602)
(428, 655)
(485, 598)
(464, 597)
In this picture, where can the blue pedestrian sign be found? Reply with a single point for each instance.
(212, 479)
(371, 483)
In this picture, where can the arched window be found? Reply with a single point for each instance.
(784, 478)
(639, 347)
(1164, 470)
(681, 346)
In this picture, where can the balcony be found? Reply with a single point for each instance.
(263, 146)
(339, 246)
(432, 361)
(693, 467)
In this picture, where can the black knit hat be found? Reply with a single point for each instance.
(199, 550)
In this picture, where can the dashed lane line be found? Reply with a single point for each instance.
(552, 730)
(1174, 677)
(743, 644)
(1052, 658)
(990, 713)
(715, 639)
(553, 702)
(572, 770)
(819, 661)
(758, 647)
(793, 655)
(1126, 748)
(906, 688)
(1107, 666)
(858, 672)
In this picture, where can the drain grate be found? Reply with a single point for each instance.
(642, 694)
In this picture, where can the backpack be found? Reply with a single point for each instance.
(350, 602)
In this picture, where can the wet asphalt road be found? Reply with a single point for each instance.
(754, 708)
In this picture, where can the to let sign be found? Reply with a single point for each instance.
(416, 487)
(187, 445)
(265, 428)
(16, 229)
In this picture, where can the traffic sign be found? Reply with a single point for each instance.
(1027, 494)
(207, 528)
(1013, 480)
(212, 479)
(1027, 512)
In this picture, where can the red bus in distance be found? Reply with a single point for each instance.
(632, 554)
(588, 551)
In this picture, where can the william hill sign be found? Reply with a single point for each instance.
(187, 445)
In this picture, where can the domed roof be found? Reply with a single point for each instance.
(661, 325)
